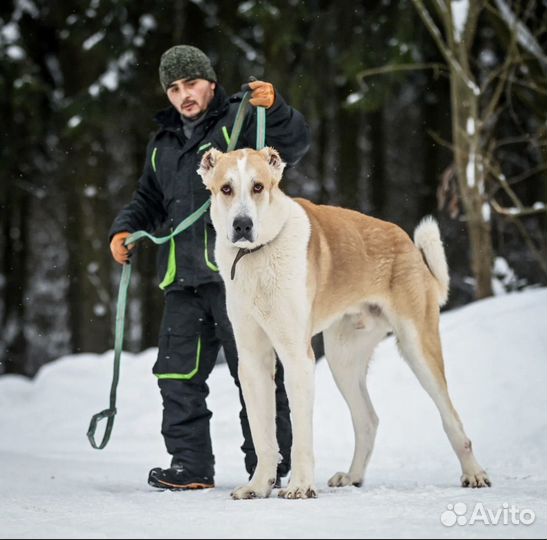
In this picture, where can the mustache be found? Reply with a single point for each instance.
(187, 102)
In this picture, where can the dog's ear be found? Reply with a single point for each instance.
(271, 155)
(207, 165)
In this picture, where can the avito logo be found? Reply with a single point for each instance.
(457, 514)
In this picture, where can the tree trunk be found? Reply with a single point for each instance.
(13, 352)
(471, 175)
(466, 134)
(378, 180)
(347, 154)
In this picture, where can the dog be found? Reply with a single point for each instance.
(293, 269)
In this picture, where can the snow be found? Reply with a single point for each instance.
(111, 77)
(147, 22)
(54, 485)
(486, 212)
(26, 6)
(460, 12)
(504, 278)
(470, 169)
(15, 52)
(487, 58)
(354, 97)
(10, 32)
(91, 41)
(470, 126)
(74, 121)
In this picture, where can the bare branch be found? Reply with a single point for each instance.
(529, 85)
(525, 38)
(503, 76)
(518, 209)
(444, 49)
(517, 212)
(437, 67)
(524, 233)
(526, 138)
(439, 140)
(520, 178)
(526, 174)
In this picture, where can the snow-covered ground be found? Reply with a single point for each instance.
(54, 485)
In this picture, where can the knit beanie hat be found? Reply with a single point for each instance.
(184, 62)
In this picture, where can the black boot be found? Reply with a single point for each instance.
(177, 478)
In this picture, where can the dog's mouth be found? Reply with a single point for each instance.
(243, 244)
(242, 239)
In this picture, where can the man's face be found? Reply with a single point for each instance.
(191, 97)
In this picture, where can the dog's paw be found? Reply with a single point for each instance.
(298, 492)
(249, 491)
(476, 480)
(341, 479)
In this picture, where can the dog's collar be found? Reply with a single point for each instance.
(241, 253)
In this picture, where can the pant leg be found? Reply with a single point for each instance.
(283, 421)
(225, 335)
(187, 353)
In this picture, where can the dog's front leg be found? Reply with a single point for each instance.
(256, 375)
(299, 365)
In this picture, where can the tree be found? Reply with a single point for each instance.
(476, 112)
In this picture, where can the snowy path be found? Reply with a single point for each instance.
(53, 484)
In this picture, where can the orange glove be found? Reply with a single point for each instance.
(263, 94)
(119, 251)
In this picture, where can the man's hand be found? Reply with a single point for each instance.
(120, 252)
(263, 94)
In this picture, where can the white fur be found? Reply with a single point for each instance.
(266, 301)
(428, 238)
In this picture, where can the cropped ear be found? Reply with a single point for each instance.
(271, 155)
(207, 165)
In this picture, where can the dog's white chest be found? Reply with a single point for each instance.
(266, 279)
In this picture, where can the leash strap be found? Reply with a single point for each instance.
(120, 319)
(110, 413)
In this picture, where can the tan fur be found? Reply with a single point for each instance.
(377, 258)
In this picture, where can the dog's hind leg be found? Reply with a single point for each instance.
(256, 374)
(348, 351)
(420, 345)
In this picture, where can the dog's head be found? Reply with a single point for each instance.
(244, 187)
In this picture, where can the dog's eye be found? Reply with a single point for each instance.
(226, 189)
(257, 188)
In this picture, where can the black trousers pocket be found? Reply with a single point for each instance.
(181, 335)
(178, 356)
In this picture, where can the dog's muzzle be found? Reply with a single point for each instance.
(242, 229)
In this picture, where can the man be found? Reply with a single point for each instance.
(195, 323)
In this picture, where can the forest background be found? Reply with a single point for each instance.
(415, 107)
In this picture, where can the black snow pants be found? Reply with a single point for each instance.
(194, 327)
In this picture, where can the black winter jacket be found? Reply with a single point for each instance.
(170, 189)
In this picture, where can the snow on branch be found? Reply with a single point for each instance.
(515, 211)
(525, 38)
(443, 47)
(460, 12)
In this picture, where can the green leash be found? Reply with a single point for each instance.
(120, 319)
(110, 413)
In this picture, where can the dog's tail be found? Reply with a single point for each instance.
(428, 240)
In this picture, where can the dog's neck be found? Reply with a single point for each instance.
(276, 230)
(241, 253)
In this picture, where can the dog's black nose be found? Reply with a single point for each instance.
(242, 229)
